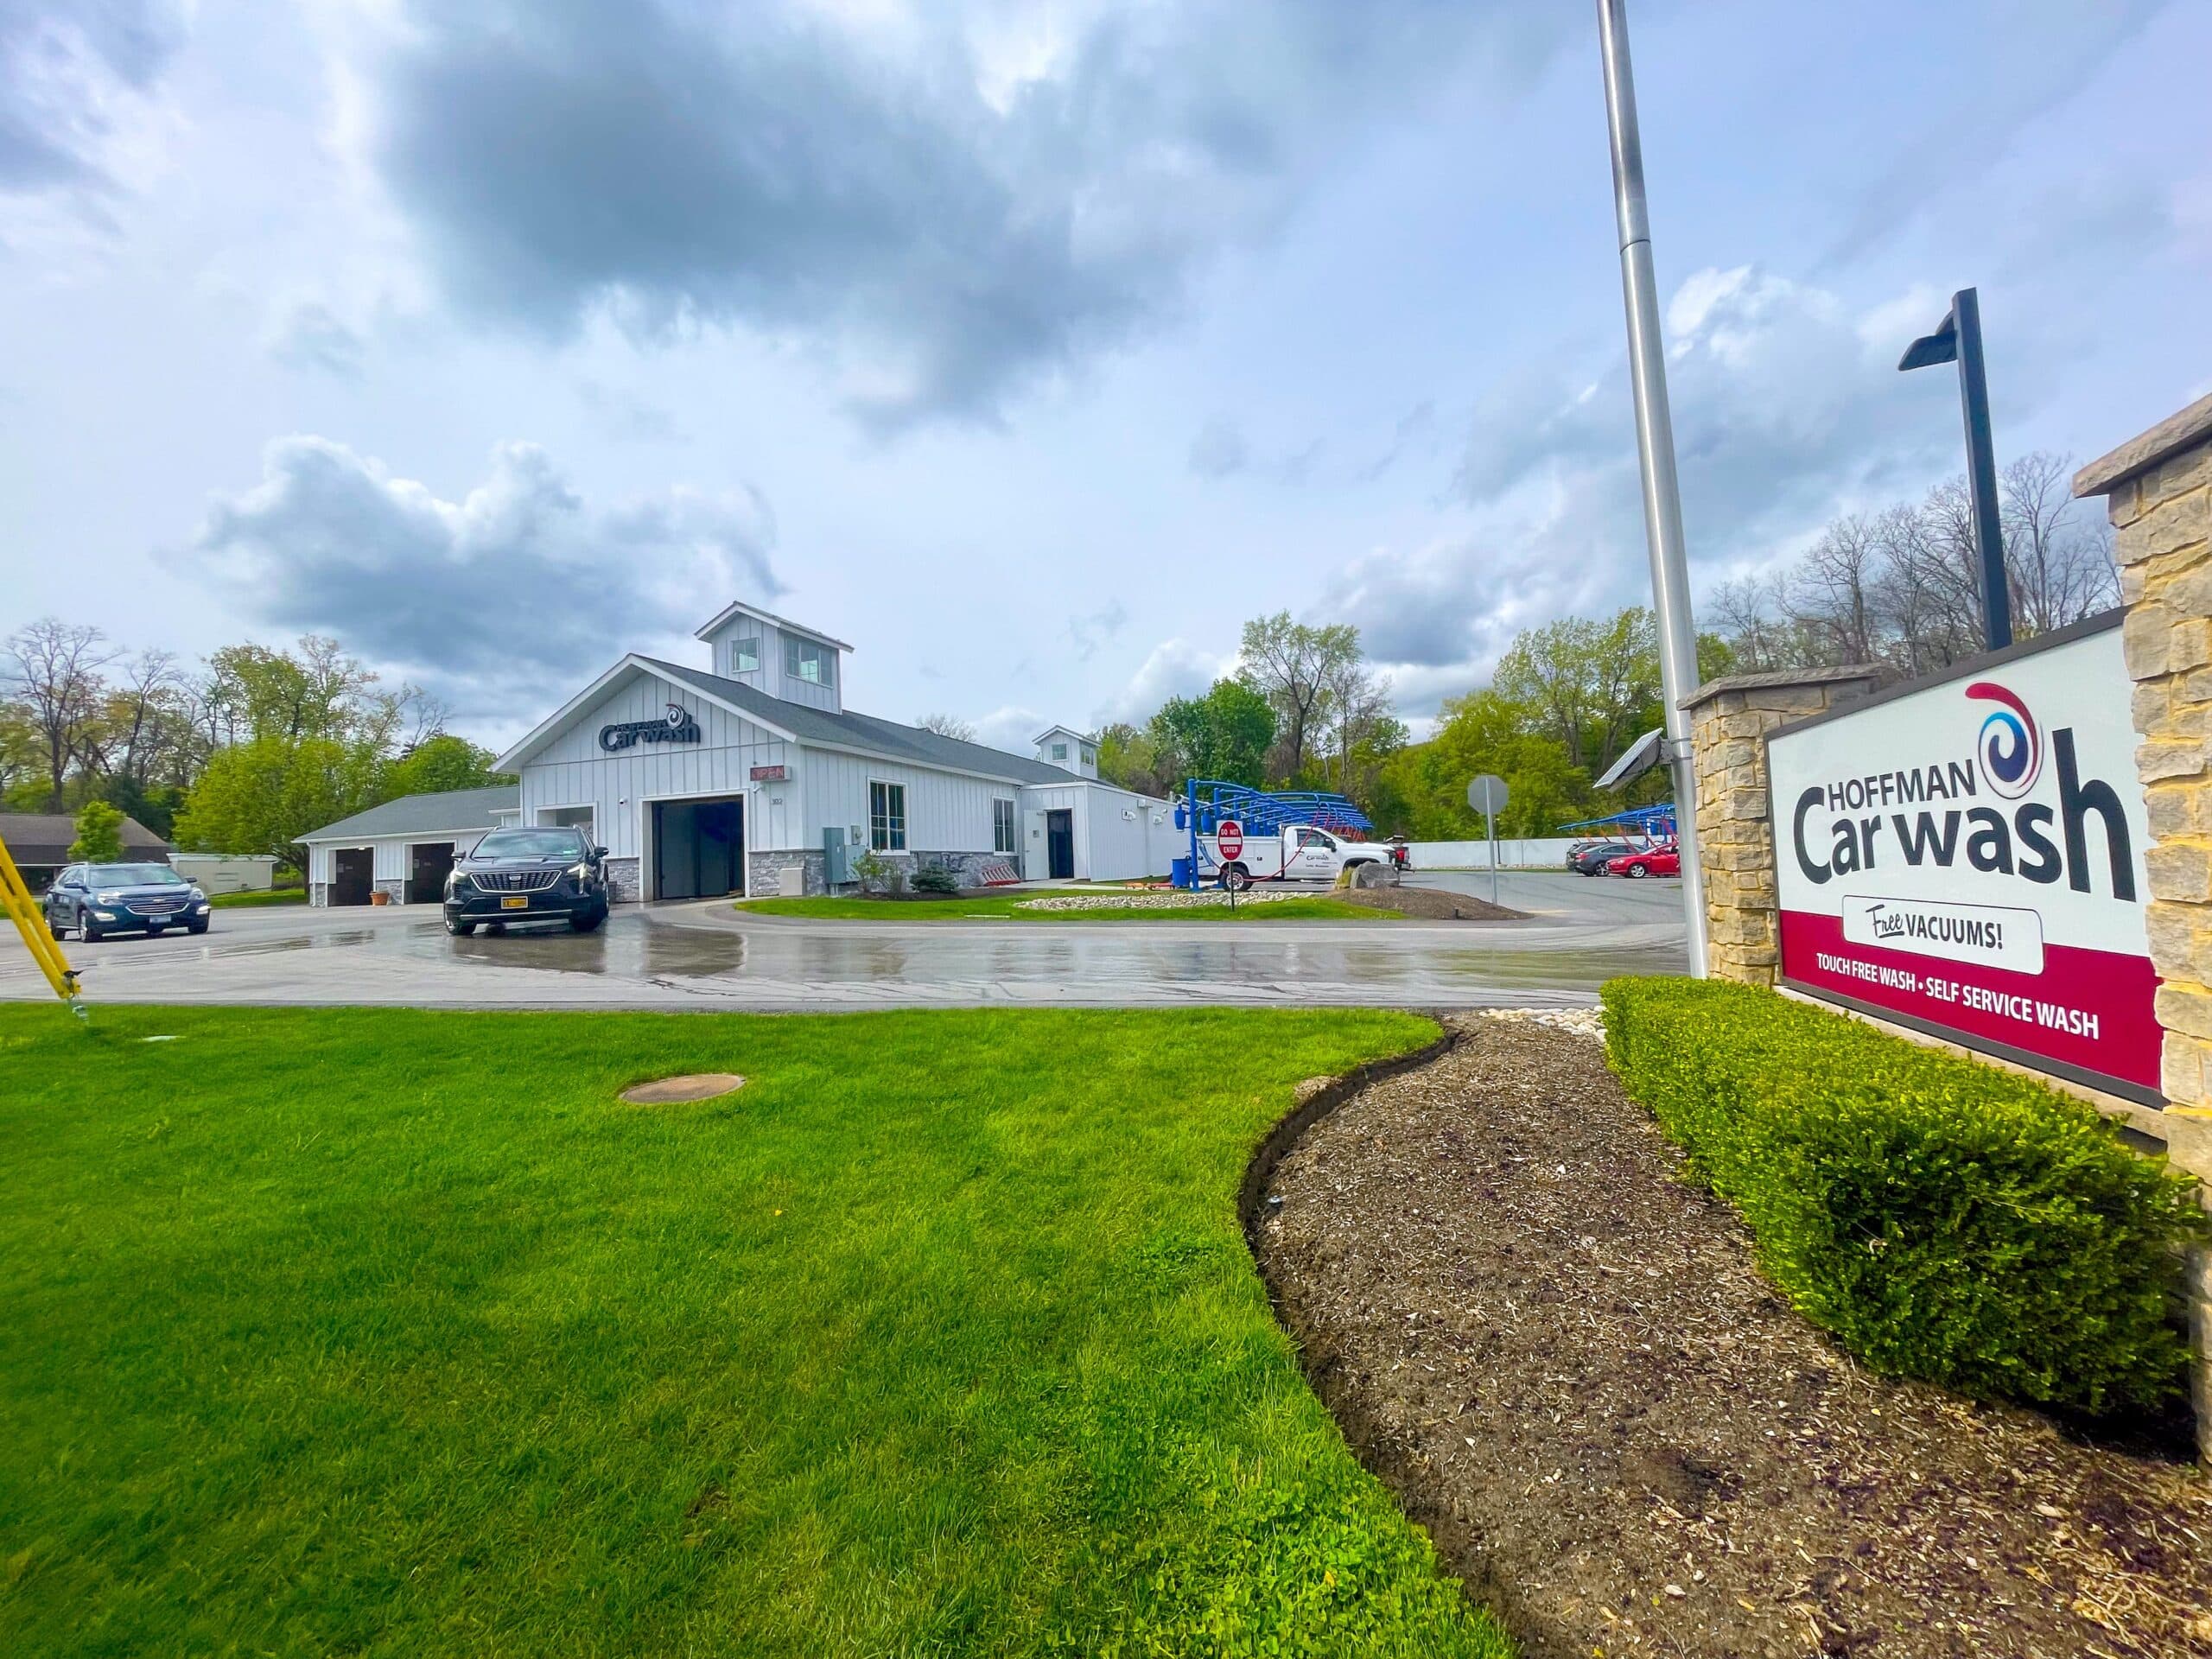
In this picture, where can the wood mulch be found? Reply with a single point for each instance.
(1429, 904)
(1562, 1358)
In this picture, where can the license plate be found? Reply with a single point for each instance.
(515, 902)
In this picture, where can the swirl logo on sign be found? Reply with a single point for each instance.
(2009, 747)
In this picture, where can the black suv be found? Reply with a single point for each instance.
(545, 874)
(101, 899)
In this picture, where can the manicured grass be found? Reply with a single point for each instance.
(392, 1331)
(255, 900)
(1006, 906)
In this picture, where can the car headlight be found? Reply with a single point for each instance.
(579, 873)
(456, 880)
(109, 897)
(197, 892)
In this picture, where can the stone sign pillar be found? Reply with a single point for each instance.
(1728, 719)
(2158, 489)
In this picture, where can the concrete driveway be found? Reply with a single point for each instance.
(704, 955)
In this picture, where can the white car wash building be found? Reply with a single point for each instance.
(751, 776)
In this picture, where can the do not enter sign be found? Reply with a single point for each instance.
(1230, 838)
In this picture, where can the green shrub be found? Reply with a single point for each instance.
(1942, 1219)
(937, 878)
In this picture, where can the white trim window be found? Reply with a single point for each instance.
(1002, 827)
(806, 661)
(1059, 751)
(887, 817)
(745, 655)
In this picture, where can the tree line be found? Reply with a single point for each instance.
(244, 752)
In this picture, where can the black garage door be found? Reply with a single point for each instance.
(428, 864)
(351, 874)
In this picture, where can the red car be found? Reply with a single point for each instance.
(1652, 861)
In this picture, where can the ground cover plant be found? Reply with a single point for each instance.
(1008, 907)
(1942, 1219)
(258, 898)
(393, 1332)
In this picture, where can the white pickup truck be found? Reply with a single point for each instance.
(1299, 852)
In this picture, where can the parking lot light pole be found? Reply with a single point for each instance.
(1655, 442)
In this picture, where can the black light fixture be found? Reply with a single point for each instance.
(1957, 340)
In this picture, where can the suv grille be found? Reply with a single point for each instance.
(153, 906)
(515, 880)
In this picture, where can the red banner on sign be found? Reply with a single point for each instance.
(2088, 1011)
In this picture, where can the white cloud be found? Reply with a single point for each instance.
(1175, 668)
(1787, 408)
(499, 601)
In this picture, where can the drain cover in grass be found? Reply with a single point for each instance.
(696, 1085)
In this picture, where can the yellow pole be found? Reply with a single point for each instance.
(16, 899)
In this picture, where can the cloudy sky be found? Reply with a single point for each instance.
(1031, 347)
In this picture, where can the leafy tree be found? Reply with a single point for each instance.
(1291, 665)
(1131, 756)
(99, 835)
(263, 795)
(441, 763)
(1226, 733)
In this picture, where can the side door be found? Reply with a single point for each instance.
(62, 897)
(1315, 857)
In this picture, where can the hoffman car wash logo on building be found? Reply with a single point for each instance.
(1968, 854)
(676, 725)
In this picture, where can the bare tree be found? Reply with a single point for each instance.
(57, 677)
(2057, 558)
(949, 726)
(1902, 588)
(1290, 663)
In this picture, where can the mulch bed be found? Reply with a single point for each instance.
(1429, 904)
(1562, 1358)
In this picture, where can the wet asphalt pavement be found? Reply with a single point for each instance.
(1579, 933)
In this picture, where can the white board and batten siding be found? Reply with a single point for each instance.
(1108, 847)
(946, 812)
(575, 771)
(390, 857)
(768, 677)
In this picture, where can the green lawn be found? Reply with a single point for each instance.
(1005, 906)
(255, 900)
(387, 1332)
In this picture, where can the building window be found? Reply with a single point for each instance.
(1089, 755)
(744, 656)
(1002, 839)
(887, 817)
(804, 660)
(1059, 751)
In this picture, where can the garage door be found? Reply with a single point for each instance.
(352, 872)
(428, 864)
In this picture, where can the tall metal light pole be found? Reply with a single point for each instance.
(1654, 443)
(1957, 340)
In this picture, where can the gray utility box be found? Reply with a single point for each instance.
(837, 857)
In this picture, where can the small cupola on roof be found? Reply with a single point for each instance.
(1064, 745)
(777, 656)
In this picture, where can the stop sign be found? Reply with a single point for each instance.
(1230, 838)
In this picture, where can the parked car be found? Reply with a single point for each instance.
(1652, 861)
(1596, 855)
(98, 900)
(544, 874)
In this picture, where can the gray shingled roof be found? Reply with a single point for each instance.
(451, 810)
(856, 731)
(43, 838)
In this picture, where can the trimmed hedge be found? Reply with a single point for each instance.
(1942, 1219)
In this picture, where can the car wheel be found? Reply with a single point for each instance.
(1237, 878)
(195, 927)
(1639, 871)
(460, 929)
(88, 934)
(55, 927)
(588, 922)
